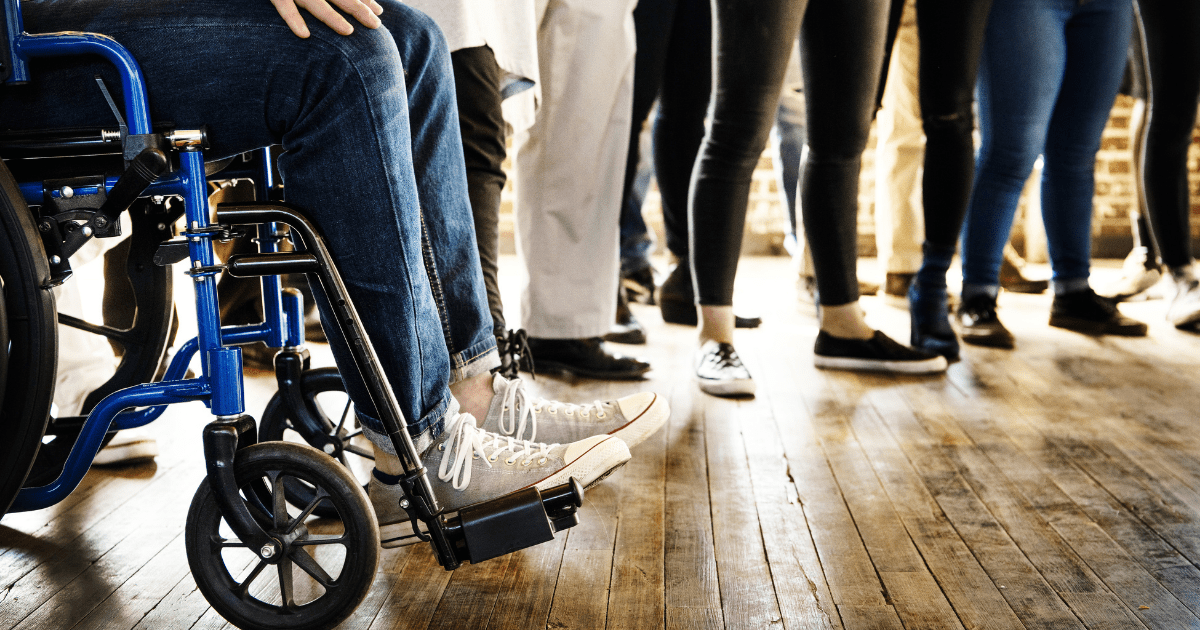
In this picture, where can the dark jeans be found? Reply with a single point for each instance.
(1173, 60)
(372, 152)
(1048, 75)
(477, 80)
(951, 33)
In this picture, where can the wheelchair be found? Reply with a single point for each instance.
(279, 534)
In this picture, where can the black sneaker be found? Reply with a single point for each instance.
(1090, 314)
(719, 371)
(978, 323)
(877, 354)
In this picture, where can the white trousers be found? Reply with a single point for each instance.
(570, 165)
(900, 156)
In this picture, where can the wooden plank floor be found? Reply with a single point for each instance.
(1054, 486)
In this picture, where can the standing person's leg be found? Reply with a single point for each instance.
(477, 80)
(951, 39)
(1173, 59)
(842, 46)
(899, 154)
(677, 134)
(568, 181)
(752, 41)
(1095, 58)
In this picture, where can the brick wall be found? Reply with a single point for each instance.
(1115, 195)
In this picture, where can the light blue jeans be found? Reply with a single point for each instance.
(1048, 75)
(370, 131)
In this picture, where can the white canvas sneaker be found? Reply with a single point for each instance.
(468, 465)
(516, 413)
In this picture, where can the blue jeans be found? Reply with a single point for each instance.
(372, 151)
(1048, 75)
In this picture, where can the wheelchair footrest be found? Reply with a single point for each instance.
(515, 521)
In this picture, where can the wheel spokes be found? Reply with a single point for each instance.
(321, 540)
(308, 509)
(243, 589)
(287, 591)
(309, 565)
(279, 500)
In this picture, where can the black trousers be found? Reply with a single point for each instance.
(477, 88)
(705, 178)
(1172, 45)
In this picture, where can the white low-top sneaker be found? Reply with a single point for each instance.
(720, 372)
(515, 412)
(468, 465)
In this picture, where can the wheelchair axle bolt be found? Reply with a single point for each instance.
(87, 231)
(328, 448)
(100, 222)
(404, 503)
(267, 550)
(45, 226)
(54, 260)
(67, 192)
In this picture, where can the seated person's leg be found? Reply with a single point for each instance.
(338, 106)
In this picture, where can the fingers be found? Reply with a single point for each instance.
(291, 16)
(325, 13)
(362, 10)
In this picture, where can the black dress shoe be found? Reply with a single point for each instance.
(584, 357)
(639, 285)
(978, 323)
(678, 302)
(627, 328)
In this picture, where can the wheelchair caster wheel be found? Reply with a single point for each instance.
(326, 564)
(339, 437)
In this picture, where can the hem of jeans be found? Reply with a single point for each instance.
(479, 359)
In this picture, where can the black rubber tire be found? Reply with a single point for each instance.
(32, 340)
(277, 425)
(251, 607)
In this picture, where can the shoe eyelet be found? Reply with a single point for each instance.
(510, 462)
(554, 412)
(600, 415)
(493, 458)
(475, 456)
(542, 461)
(442, 447)
(526, 462)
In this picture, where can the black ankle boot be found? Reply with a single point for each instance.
(930, 321)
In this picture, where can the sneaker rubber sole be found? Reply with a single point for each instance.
(933, 365)
(1091, 327)
(589, 469)
(731, 387)
(645, 424)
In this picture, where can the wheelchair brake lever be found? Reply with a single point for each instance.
(143, 170)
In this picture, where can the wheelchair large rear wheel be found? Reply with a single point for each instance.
(327, 564)
(32, 339)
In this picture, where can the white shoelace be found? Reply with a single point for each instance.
(465, 441)
(516, 397)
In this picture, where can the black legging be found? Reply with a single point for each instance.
(841, 54)
(844, 45)
(1172, 45)
(951, 36)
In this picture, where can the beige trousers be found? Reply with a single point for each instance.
(569, 168)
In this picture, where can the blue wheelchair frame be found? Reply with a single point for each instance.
(476, 533)
(220, 385)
